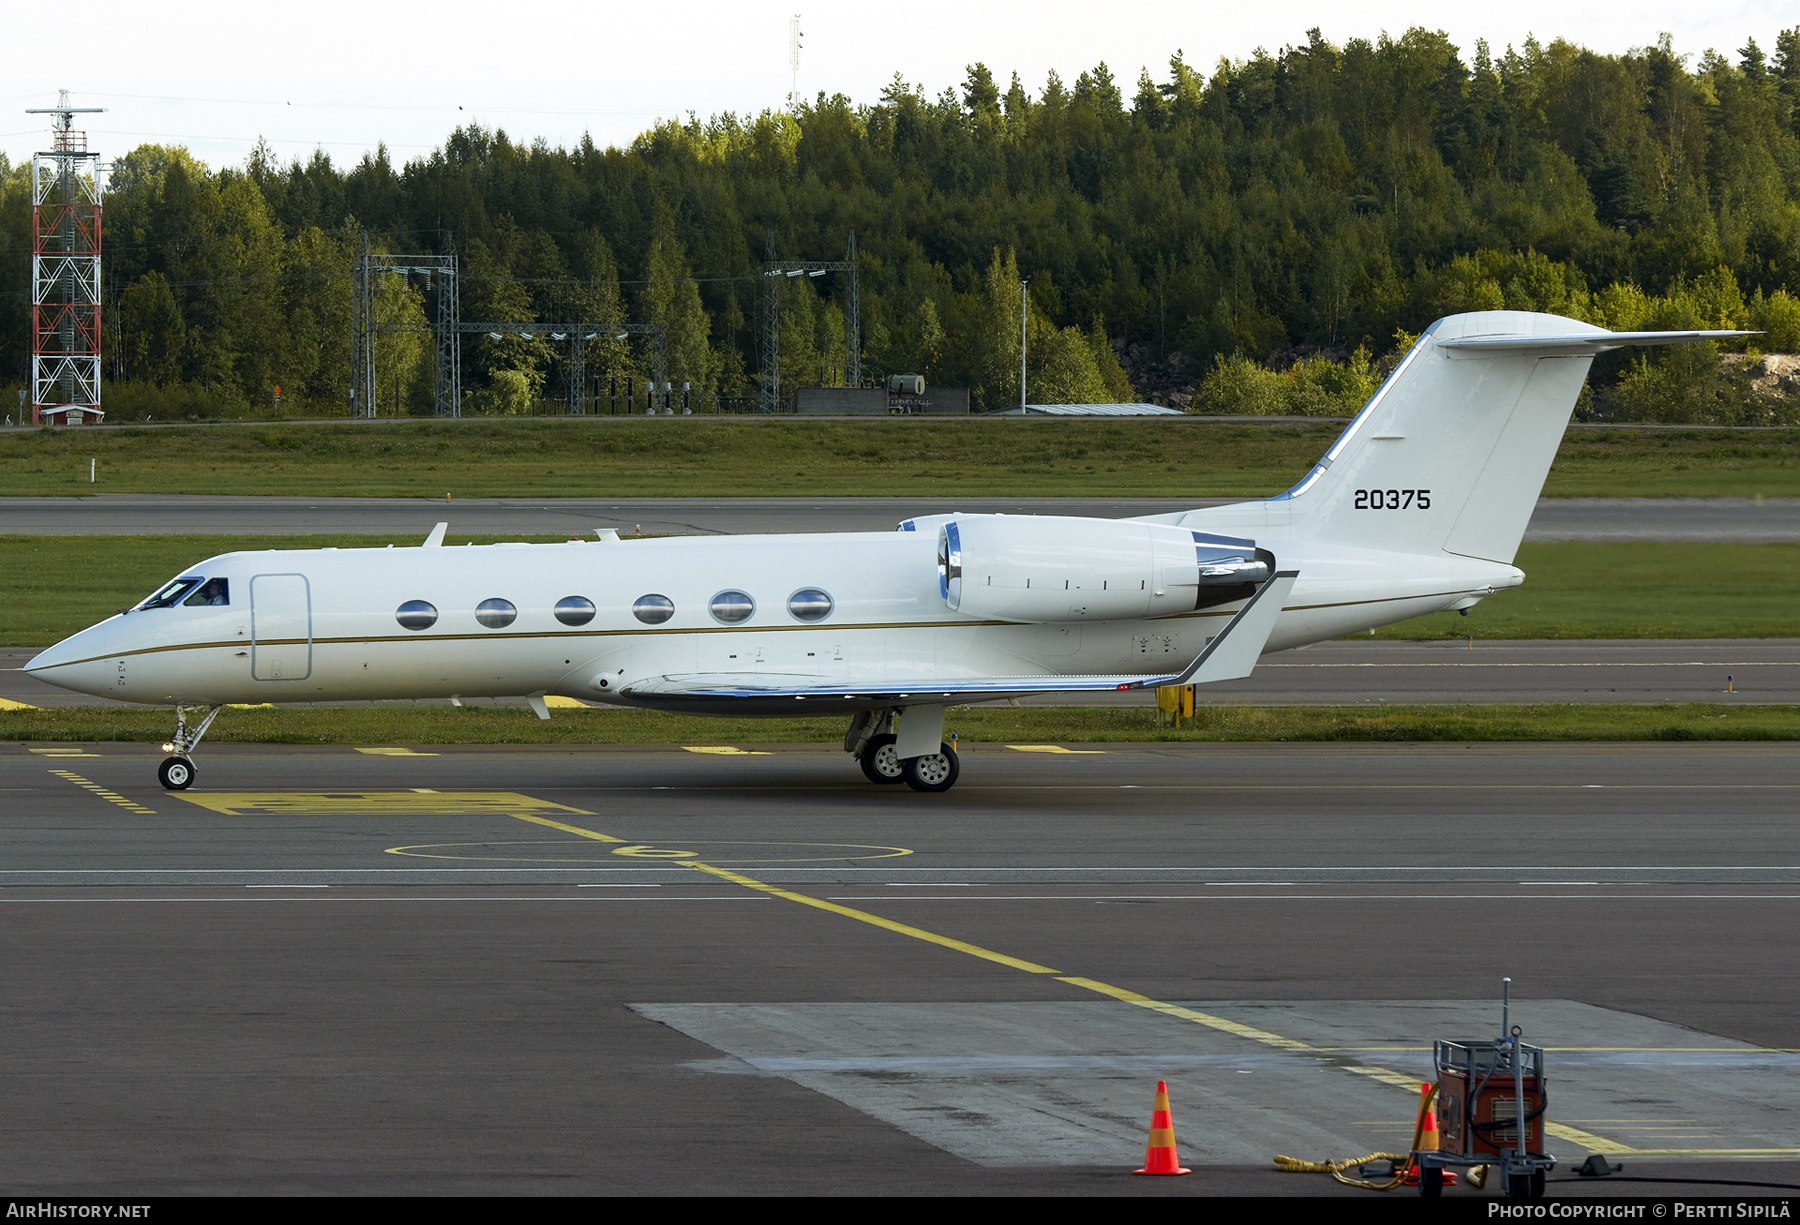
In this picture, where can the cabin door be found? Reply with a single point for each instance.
(280, 627)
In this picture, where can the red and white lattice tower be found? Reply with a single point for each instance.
(65, 273)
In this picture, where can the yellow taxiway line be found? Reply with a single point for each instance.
(1399, 1080)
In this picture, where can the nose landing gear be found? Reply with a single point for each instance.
(176, 773)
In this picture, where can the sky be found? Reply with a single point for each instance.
(215, 76)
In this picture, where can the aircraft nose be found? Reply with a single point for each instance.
(76, 663)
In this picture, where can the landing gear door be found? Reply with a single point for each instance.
(280, 627)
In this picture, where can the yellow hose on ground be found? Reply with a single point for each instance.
(1294, 1165)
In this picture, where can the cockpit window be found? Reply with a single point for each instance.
(172, 593)
(213, 592)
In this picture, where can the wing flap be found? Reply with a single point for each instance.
(711, 685)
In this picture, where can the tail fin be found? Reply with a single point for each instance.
(1451, 453)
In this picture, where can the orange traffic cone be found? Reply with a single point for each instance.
(1429, 1139)
(1159, 1156)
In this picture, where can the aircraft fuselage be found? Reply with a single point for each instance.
(323, 625)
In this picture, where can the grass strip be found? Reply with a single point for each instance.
(718, 457)
(1638, 589)
(426, 725)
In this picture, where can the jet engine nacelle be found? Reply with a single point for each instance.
(1050, 569)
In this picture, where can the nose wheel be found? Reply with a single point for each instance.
(176, 773)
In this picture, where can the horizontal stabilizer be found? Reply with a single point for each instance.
(1576, 344)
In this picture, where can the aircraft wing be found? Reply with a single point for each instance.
(1232, 653)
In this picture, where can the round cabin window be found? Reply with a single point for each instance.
(574, 610)
(416, 615)
(732, 607)
(496, 614)
(809, 604)
(653, 609)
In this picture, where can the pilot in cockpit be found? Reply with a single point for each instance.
(213, 592)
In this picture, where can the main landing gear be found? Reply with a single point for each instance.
(934, 771)
(880, 762)
(176, 773)
(872, 740)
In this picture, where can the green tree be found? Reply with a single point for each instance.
(672, 298)
(150, 331)
(492, 295)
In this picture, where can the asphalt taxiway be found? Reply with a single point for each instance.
(713, 968)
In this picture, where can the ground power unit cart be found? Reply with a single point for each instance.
(1490, 1111)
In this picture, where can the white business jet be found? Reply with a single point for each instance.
(1418, 507)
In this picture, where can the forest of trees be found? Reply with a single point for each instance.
(1261, 237)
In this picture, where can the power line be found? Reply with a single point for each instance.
(274, 140)
(382, 106)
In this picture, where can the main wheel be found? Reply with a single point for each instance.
(176, 773)
(934, 771)
(1431, 1181)
(879, 762)
(1537, 1184)
(1518, 1186)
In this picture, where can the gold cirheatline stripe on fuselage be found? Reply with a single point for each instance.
(497, 635)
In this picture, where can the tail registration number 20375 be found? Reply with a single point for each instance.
(1393, 499)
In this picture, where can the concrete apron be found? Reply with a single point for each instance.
(1033, 1084)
